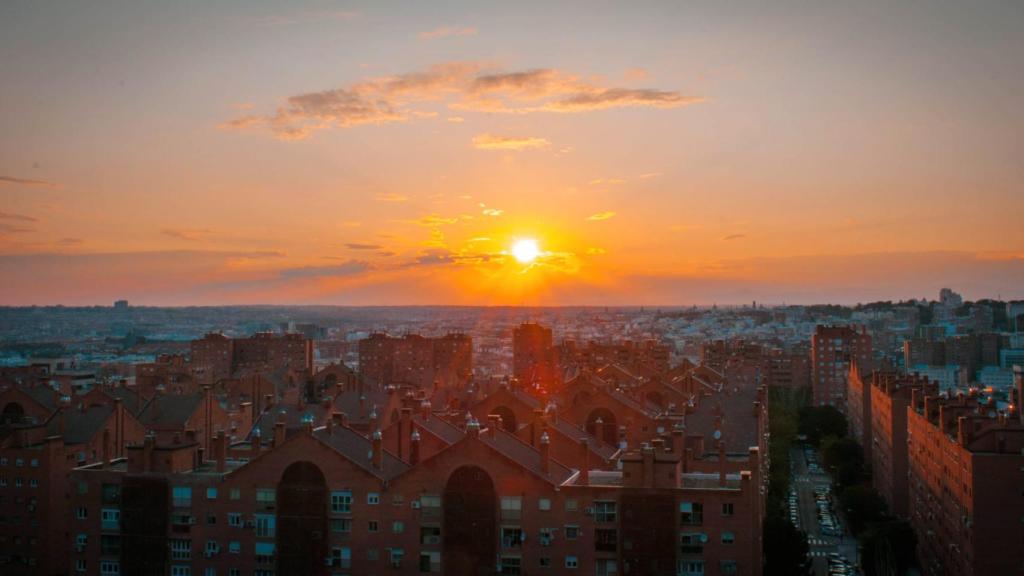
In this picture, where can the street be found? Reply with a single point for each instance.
(807, 479)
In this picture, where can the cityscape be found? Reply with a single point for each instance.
(339, 288)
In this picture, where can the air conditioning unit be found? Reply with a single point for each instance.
(416, 504)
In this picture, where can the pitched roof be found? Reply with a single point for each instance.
(170, 411)
(359, 450)
(290, 414)
(80, 426)
(525, 455)
(739, 424)
(567, 429)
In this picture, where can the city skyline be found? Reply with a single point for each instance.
(356, 154)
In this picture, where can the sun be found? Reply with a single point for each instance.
(525, 250)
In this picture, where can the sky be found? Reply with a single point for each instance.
(659, 153)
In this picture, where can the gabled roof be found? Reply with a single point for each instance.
(131, 400)
(80, 426)
(524, 455)
(290, 414)
(739, 424)
(43, 395)
(439, 427)
(170, 411)
(567, 429)
(359, 450)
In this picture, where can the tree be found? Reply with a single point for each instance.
(843, 456)
(887, 548)
(786, 552)
(816, 422)
(863, 506)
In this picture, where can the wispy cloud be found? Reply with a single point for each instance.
(515, 143)
(11, 180)
(464, 86)
(596, 251)
(649, 175)
(17, 217)
(447, 32)
(349, 268)
(189, 234)
(493, 212)
(70, 241)
(734, 237)
(391, 197)
(360, 246)
(601, 216)
(607, 181)
(13, 229)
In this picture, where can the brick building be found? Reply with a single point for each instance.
(419, 361)
(833, 350)
(966, 470)
(215, 356)
(534, 357)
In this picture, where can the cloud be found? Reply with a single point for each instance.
(391, 197)
(13, 229)
(734, 237)
(189, 234)
(466, 86)
(436, 220)
(492, 142)
(447, 32)
(70, 241)
(358, 246)
(350, 268)
(601, 216)
(596, 251)
(649, 175)
(17, 217)
(493, 212)
(456, 119)
(607, 181)
(25, 182)
(636, 74)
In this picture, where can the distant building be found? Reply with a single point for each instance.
(215, 356)
(534, 357)
(121, 305)
(419, 361)
(833, 350)
(950, 299)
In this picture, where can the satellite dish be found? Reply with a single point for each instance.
(718, 434)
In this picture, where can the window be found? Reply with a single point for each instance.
(727, 509)
(430, 562)
(604, 511)
(81, 540)
(341, 524)
(397, 527)
(110, 568)
(82, 513)
(728, 537)
(110, 519)
(372, 554)
(111, 493)
(234, 547)
(728, 566)
(692, 543)
(398, 500)
(545, 561)
(341, 558)
(373, 526)
(544, 504)
(234, 572)
(547, 535)
(511, 565)
(511, 507)
(341, 502)
(19, 462)
(83, 488)
(430, 535)
(34, 463)
(572, 532)
(212, 547)
(606, 539)
(181, 549)
(430, 505)
(266, 496)
(607, 567)
(181, 571)
(372, 498)
(33, 483)
(236, 494)
(396, 557)
(571, 505)
(80, 565)
(690, 567)
(234, 519)
(265, 552)
(572, 562)
(181, 496)
(511, 536)
(265, 525)
(211, 493)
(110, 545)
(691, 513)
(210, 572)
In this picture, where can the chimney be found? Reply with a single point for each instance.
(473, 429)
(404, 427)
(585, 468)
(268, 401)
(118, 428)
(647, 454)
(147, 452)
(414, 448)
(279, 434)
(222, 452)
(545, 452)
(378, 450)
(425, 409)
(256, 444)
(362, 407)
(341, 419)
(536, 426)
(721, 463)
(493, 422)
(963, 431)
(329, 426)
(106, 447)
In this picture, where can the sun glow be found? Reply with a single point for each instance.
(526, 250)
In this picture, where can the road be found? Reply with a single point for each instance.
(820, 545)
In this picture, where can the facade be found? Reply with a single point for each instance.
(534, 358)
(215, 356)
(416, 360)
(965, 472)
(833, 350)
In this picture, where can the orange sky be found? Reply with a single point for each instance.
(659, 154)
